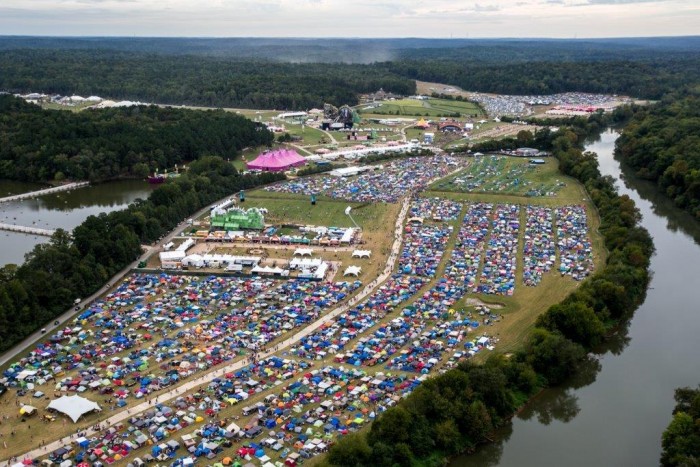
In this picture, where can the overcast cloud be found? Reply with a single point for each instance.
(351, 18)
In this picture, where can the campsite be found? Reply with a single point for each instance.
(471, 272)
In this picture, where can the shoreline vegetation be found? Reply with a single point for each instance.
(681, 439)
(455, 412)
(661, 144)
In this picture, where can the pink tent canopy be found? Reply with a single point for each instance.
(278, 160)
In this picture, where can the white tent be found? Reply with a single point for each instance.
(303, 252)
(361, 253)
(73, 406)
(352, 271)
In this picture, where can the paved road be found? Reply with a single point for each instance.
(219, 372)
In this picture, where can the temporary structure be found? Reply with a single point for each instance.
(73, 406)
(277, 161)
(361, 253)
(352, 271)
(303, 252)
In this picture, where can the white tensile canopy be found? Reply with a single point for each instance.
(73, 406)
(352, 271)
(361, 253)
(303, 252)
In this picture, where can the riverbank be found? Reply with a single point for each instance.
(552, 352)
(631, 385)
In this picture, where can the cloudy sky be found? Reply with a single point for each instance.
(351, 18)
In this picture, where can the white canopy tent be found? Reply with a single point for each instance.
(361, 253)
(303, 252)
(74, 406)
(352, 271)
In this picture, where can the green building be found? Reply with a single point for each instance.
(238, 219)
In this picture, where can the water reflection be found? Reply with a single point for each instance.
(619, 419)
(676, 220)
(62, 210)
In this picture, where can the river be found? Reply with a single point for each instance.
(61, 210)
(614, 412)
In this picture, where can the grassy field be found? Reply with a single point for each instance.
(506, 175)
(424, 108)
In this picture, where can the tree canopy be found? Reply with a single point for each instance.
(38, 144)
(681, 439)
(662, 143)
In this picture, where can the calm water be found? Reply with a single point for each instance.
(65, 210)
(614, 412)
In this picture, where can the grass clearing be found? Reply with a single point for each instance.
(506, 175)
(423, 108)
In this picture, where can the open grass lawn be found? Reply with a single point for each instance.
(426, 108)
(507, 175)
(310, 135)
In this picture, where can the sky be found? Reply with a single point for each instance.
(351, 18)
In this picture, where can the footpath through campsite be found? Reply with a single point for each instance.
(184, 388)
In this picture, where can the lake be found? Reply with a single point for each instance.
(61, 210)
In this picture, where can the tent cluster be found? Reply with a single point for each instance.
(494, 174)
(422, 249)
(334, 336)
(276, 161)
(182, 324)
(434, 208)
(73, 406)
(464, 260)
(498, 274)
(538, 252)
(352, 271)
(388, 184)
(573, 241)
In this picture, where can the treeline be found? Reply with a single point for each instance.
(248, 82)
(46, 145)
(662, 143)
(681, 439)
(648, 79)
(67, 267)
(193, 80)
(456, 411)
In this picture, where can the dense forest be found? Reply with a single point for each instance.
(76, 265)
(301, 74)
(662, 143)
(681, 440)
(361, 50)
(46, 145)
(193, 80)
(455, 411)
(645, 79)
